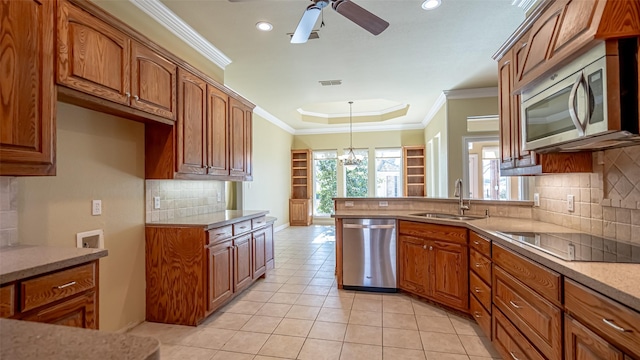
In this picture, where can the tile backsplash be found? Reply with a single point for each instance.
(8, 210)
(180, 198)
(607, 201)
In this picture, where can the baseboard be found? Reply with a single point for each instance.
(281, 227)
(129, 327)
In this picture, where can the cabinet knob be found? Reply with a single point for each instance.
(477, 314)
(424, 247)
(475, 242)
(430, 247)
(513, 356)
(478, 265)
(136, 97)
(477, 290)
(128, 94)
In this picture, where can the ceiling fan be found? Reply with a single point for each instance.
(346, 8)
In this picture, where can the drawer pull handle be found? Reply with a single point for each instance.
(477, 314)
(475, 242)
(513, 355)
(424, 247)
(478, 265)
(220, 234)
(477, 290)
(610, 323)
(514, 305)
(242, 227)
(59, 287)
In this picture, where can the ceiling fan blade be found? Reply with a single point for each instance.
(305, 26)
(360, 16)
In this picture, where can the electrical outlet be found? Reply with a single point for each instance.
(348, 203)
(96, 207)
(156, 202)
(536, 199)
(219, 197)
(383, 203)
(571, 202)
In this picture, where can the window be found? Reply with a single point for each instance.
(388, 172)
(325, 181)
(357, 180)
(494, 186)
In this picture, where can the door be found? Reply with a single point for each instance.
(240, 139)
(28, 94)
(413, 265)
(76, 312)
(217, 134)
(540, 42)
(258, 245)
(242, 262)
(582, 344)
(449, 274)
(153, 82)
(505, 101)
(93, 57)
(220, 275)
(191, 125)
(268, 246)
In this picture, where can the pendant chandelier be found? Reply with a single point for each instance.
(350, 160)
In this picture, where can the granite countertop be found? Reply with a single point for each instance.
(23, 340)
(215, 219)
(620, 282)
(23, 261)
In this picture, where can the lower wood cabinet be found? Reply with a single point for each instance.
(300, 212)
(509, 342)
(192, 271)
(79, 311)
(583, 344)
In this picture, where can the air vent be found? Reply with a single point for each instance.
(314, 35)
(330, 82)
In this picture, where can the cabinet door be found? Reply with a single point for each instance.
(28, 94)
(582, 344)
(505, 82)
(76, 312)
(217, 131)
(242, 263)
(450, 274)
(191, 125)
(93, 57)
(268, 246)
(413, 267)
(577, 19)
(220, 274)
(258, 244)
(540, 42)
(240, 139)
(153, 82)
(300, 212)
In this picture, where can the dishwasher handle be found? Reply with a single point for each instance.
(361, 226)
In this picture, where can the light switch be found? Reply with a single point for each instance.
(570, 202)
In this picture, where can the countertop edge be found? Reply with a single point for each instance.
(207, 225)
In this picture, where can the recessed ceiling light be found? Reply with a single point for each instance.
(431, 4)
(264, 26)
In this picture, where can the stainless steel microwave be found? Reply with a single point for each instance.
(588, 104)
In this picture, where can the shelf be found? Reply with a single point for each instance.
(300, 185)
(415, 175)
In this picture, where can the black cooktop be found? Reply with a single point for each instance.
(579, 246)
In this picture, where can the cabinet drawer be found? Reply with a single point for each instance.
(509, 342)
(241, 227)
(537, 318)
(481, 290)
(49, 288)
(481, 265)
(482, 316)
(615, 322)
(431, 231)
(480, 244)
(7, 301)
(258, 222)
(219, 234)
(544, 281)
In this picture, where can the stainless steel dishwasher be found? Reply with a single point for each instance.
(369, 254)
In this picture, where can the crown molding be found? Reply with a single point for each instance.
(274, 120)
(355, 114)
(165, 17)
(440, 101)
(471, 93)
(364, 128)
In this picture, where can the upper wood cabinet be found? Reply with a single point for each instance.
(217, 131)
(414, 161)
(96, 58)
(240, 140)
(28, 95)
(192, 124)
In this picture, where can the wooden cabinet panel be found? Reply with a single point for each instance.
(242, 263)
(433, 231)
(481, 315)
(239, 139)
(217, 132)
(505, 100)
(153, 82)
(300, 212)
(450, 274)
(614, 322)
(27, 89)
(480, 290)
(509, 342)
(220, 274)
(93, 57)
(540, 43)
(538, 319)
(258, 222)
(241, 227)
(481, 265)
(577, 19)
(259, 263)
(78, 312)
(49, 288)
(191, 125)
(218, 234)
(413, 262)
(414, 163)
(480, 244)
(268, 247)
(582, 344)
(7, 301)
(544, 281)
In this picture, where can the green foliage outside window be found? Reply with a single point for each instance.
(327, 184)
(357, 180)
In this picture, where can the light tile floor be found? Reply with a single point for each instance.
(297, 312)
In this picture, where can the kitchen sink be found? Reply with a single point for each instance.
(448, 216)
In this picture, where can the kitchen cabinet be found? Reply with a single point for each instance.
(509, 342)
(480, 291)
(300, 204)
(414, 162)
(217, 132)
(28, 96)
(433, 262)
(97, 59)
(63, 297)
(582, 344)
(240, 140)
(208, 267)
(191, 126)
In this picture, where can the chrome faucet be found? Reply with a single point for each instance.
(459, 193)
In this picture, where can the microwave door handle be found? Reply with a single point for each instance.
(573, 112)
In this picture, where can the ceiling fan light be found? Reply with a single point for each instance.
(264, 26)
(431, 4)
